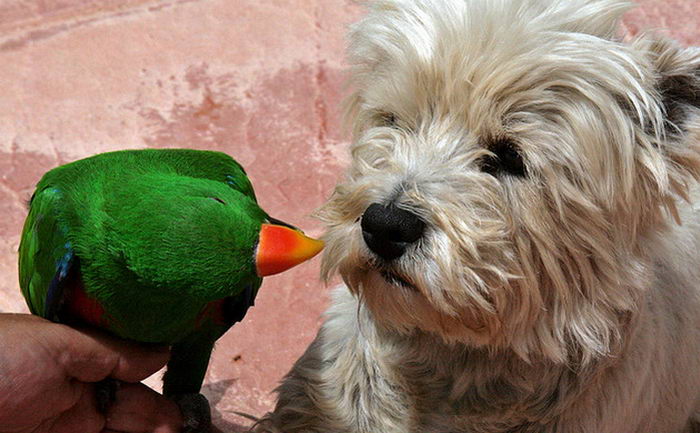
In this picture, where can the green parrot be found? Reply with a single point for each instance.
(163, 246)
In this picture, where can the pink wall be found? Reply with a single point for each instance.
(258, 79)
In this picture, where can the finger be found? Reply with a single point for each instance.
(83, 416)
(139, 409)
(91, 356)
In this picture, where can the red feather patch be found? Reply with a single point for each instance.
(81, 307)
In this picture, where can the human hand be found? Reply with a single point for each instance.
(47, 377)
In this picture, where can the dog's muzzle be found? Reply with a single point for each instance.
(388, 231)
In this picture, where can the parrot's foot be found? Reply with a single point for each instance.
(106, 393)
(195, 413)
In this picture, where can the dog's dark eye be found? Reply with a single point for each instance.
(505, 159)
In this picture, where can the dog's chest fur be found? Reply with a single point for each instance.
(472, 391)
(437, 388)
(380, 382)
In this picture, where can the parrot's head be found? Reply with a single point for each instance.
(185, 229)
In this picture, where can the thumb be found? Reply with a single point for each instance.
(90, 356)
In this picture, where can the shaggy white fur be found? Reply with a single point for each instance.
(516, 231)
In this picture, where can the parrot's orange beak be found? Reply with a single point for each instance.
(282, 247)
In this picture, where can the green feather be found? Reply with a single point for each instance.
(158, 234)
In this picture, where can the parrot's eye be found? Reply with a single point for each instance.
(218, 199)
(240, 184)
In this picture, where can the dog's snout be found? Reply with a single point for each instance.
(388, 230)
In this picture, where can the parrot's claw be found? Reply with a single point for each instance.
(105, 394)
(195, 413)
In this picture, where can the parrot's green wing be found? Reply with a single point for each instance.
(45, 254)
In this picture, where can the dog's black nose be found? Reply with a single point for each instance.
(388, 230)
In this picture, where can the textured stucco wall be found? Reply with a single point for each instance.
(259, 79)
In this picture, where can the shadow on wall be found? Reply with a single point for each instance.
(215, 392)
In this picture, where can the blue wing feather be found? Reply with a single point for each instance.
(54, 295)
(46, 256)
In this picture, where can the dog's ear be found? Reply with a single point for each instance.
(670, 155)
(678, 85)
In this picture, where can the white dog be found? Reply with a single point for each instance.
(517, 231)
